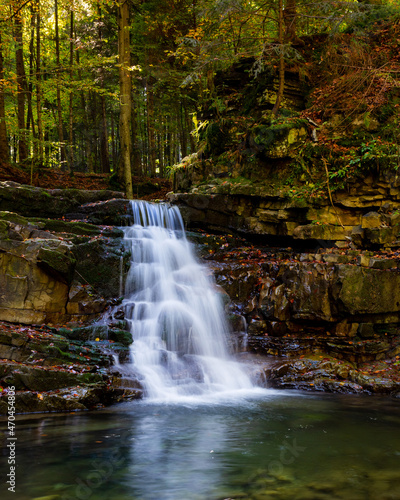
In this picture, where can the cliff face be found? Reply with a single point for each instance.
(325, 317)
(316, 190)
(53, 272)
(314, 170)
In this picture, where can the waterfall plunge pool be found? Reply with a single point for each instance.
(282, 446)
(204, 431)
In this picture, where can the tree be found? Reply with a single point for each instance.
(125, 84)
(59, 107)
(4, 152)
(281, 48)
(21, 79)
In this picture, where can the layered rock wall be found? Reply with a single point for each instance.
(368, 215)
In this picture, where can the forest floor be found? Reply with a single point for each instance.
(49, 178)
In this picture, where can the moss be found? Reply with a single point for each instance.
(123, 337)
(215, 138)
(13, 217)
(99, 264)
(4, 230)
(59, 226)
(85, 333)
(56, 263)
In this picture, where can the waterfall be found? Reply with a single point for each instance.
(174, 312)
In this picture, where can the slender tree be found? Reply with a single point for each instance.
(39, 85)
(71, 94)
(281, 48)
(21, 80)
(4, 151)
(58, 86)
(125, 85)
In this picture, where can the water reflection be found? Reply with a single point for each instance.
(280, 447)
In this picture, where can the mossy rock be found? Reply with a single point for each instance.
(369, 291)
(33, 201)
(121, 336)
(13, 217)
(4, 230)
(37, 379)
(85, 333)
(99, 265)
(56, 263)
(279, 141)
(77, 228)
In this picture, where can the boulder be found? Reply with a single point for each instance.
(369, 291)
(371, 220)
(32, 201)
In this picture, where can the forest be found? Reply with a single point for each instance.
(133, 87)
(200, 249)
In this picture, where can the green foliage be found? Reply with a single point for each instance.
(369, 14)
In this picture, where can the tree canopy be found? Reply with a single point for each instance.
(72, 98)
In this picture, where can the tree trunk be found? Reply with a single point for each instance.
(29, 118)
(104, 154)
(290, 19)
(71, 95)
(281, 84)
(151, 131)
(125, 86)
(87, 138)
(4, 151)
(21, 82)
(58, 90)
(137, 167)
(39, 88)
(113, 144)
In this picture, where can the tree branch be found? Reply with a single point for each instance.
(15, 12)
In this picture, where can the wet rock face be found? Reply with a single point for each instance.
(62, 369)
(331, 305)
(40, 277)
(32, 201)
(362, 217)
(57, 271)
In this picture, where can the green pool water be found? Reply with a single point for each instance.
(279, 446)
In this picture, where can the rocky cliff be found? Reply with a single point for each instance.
(62, 262)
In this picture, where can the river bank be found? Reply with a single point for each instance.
(323, 319)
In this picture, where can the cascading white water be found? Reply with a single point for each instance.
(175, 314)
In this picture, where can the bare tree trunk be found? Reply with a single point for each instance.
(151, 131)
(160, 151)
(29, 118)
(290, 19)
(125, 86)
(182, 130)
(281, 84)
(137, 167)
(104, 154)
(59, 108)
(21, 82)
(189, 126)
(113, 144)
(4, 151)
(86, 132)
(39, 88)
(71, 96)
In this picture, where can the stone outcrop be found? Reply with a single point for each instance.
(61, 270)
(53, 279)
(364, 217)
(57, 271)
(62, 369)
(336, 305)
(33, 201)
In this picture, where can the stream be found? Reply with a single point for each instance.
(283, 445)
(204, 430)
